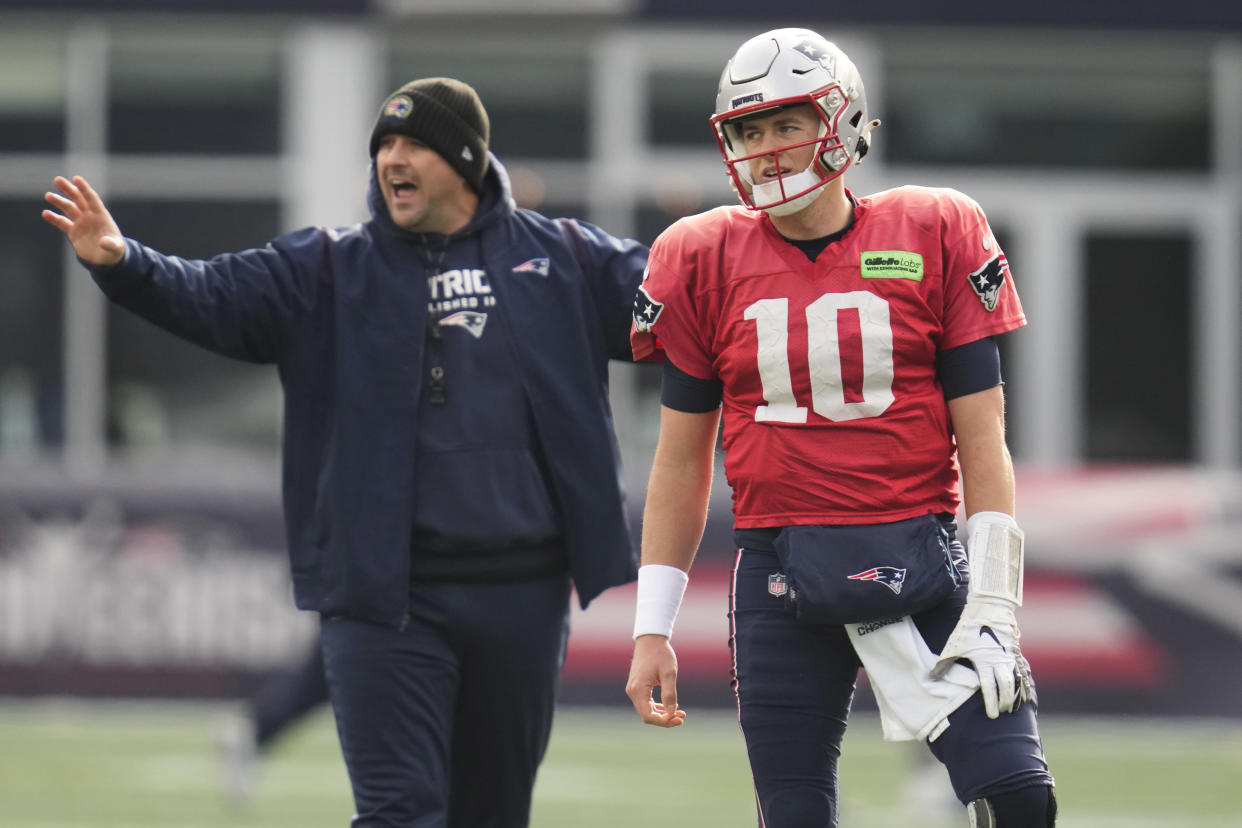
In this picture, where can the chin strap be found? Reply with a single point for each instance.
(772, 190)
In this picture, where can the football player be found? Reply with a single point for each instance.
(848, 344)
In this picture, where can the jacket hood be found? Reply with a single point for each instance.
(495, 203)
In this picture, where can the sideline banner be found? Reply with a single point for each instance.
(1133, 595)
(143, 590)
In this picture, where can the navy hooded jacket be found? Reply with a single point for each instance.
(343, 313)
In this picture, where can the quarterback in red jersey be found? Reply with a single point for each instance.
(848, 344)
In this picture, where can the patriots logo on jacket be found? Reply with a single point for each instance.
(646, 311)
(470, 320)
(889, 576)
(988, 280)
(539, 266)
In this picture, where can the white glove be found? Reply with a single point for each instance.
(987, 633)
(987, 636)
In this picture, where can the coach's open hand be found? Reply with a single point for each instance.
(85, 222)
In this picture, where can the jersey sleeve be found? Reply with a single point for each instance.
(670, 320)
(980, 299)
(682, 392)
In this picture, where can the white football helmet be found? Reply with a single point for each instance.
(785, 67)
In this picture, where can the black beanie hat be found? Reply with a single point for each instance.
(444, 114)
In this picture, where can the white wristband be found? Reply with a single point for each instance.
(660, 589)
(995, 548)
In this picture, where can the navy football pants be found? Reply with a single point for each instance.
(443, 723)
(795, 684)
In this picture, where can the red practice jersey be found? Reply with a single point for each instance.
(832, 410)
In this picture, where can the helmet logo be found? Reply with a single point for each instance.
(757, 97)
(818, 55)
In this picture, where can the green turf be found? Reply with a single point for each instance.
(79, 765)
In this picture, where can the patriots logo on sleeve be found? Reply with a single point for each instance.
(889, 576)
(987, 282)
(646, 311)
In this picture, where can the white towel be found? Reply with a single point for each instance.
(898, 664)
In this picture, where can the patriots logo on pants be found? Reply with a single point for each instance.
(889, 576)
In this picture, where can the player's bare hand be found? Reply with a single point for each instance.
(654, 665)
(80, 214)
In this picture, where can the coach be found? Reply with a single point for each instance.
(449, 461)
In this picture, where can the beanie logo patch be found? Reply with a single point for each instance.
(399, 106)
(467, 154)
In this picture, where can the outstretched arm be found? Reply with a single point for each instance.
(243, 305)
(85, 221)
(673, 520)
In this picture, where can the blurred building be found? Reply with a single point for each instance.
(1106, 148)
(1108, 153)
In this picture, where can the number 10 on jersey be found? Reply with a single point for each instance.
(847, 382)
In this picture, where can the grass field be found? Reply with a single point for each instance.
(69, 764)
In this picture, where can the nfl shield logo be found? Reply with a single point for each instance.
(776, 584)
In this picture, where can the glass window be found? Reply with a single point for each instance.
(194, 95)
(165, 393)
(31, 340)
(654, 217)
(32, 92)
(681, 106)
(534, 91)
(1138, 303)
(988, 100)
